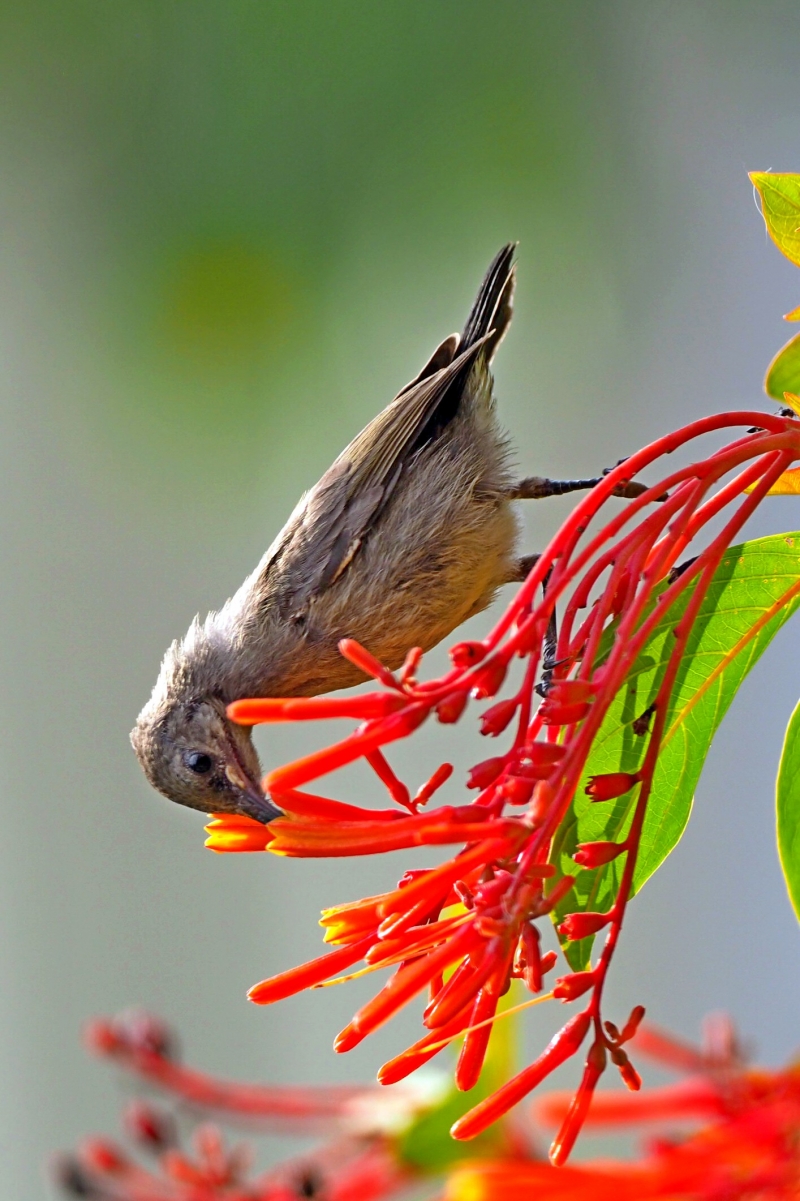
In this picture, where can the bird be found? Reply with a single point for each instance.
(411, 531)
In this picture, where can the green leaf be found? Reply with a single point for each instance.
(783, 373)
(738, 618)
(788, 809)
(780, 207)
(427, 1144)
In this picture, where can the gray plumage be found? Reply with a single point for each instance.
(409, 533)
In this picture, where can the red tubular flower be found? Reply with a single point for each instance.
(476, 1043)
(311, 767)
(560, 1048)
(358, 655)
(302, 839)
(415, 1056)
(316, 708)
(404, 985)
(286, 984)
(579, 1107)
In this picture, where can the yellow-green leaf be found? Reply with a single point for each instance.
(783, 373)
(755, 590)
(788, 809)
(780, 207)
(787, 484)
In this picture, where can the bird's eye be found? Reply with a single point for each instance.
(198, 761)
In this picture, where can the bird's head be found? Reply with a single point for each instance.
(192, 753)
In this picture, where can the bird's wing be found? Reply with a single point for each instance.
(326, 532)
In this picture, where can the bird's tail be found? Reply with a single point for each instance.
(493, 305)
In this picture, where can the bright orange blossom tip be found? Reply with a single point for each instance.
(229, 832)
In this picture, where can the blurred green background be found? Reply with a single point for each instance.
(229, 233)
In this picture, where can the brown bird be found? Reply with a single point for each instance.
(410, 532)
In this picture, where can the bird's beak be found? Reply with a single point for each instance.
(251, 800)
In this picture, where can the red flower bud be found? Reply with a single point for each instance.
(553, 714)
(538, 760)
(540, 805)
(153, 1128)
(558, 893)
(452, 706)
(487, 680)
(426, 791)
(582, 925)
(361, 658)
(483, 774)
(632, 1024)
(495, 720)
(467, 654)
(411, 662)
(596, 854)
(517, 791)
(575, 985)
(606, 788)
(549, 961)
(597, 1057)
(627, 1071)
(571, 692)
(104, 1156)
(620, 594)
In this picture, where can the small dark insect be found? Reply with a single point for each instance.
(641, 725)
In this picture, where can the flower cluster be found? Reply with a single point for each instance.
(464, 930)
(747, 1147)
(357, 1164)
